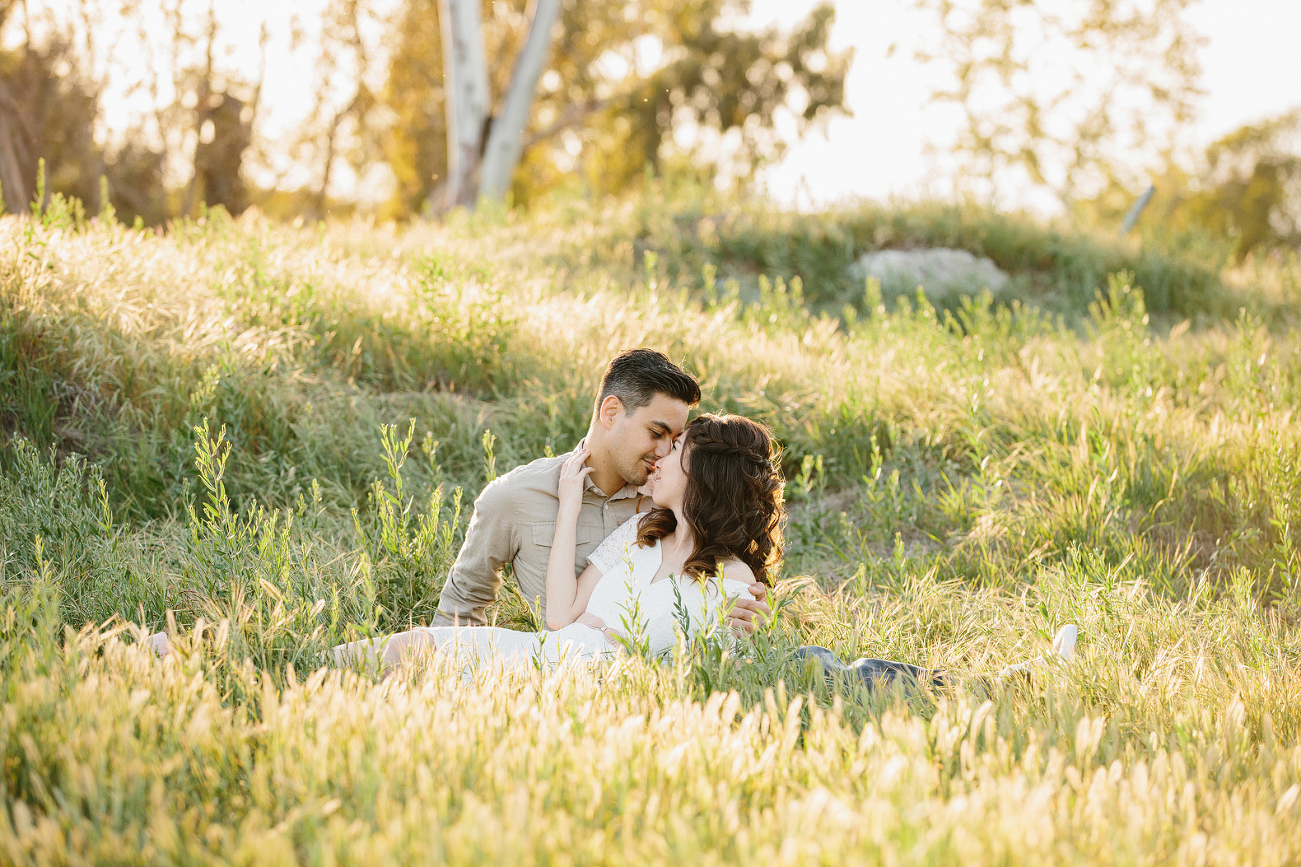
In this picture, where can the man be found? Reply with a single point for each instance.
(641, 407)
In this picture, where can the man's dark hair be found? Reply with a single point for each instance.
(635, 376)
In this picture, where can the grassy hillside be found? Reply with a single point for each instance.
(271, 437)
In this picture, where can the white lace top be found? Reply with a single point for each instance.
(626, 600)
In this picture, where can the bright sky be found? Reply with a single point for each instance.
(1251, 69)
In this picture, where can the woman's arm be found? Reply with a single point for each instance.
(586, 583)
(566, 598)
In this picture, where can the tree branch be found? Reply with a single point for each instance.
(570, 117)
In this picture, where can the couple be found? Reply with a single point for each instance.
(652, 525)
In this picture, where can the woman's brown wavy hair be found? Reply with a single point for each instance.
(733, 500)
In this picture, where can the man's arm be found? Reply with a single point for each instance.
(746, 611)
(491, 541)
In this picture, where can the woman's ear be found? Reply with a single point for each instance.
(609, 411)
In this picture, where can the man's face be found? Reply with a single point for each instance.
(640, 438)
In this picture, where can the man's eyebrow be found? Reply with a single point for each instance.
(660, 427)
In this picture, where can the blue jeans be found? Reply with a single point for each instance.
(869, 672)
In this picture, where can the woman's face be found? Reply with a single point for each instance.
(671, 477)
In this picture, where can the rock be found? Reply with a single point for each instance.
(942, 272)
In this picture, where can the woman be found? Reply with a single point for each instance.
(714, 531)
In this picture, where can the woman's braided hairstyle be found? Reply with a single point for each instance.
(733, 500)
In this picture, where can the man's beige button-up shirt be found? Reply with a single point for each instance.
(514, 521)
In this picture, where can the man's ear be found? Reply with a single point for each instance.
(609, 411)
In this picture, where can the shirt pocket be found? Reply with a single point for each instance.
(544, 533)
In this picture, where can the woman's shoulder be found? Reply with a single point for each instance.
(627, 531)
(735, 570)
(735, 578)
(617, 546)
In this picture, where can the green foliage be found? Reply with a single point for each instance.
(409, 552)
(1245, 191)
(1167, 717)
(1254, 193)
(57, 526)
(1053, 268)
(717, 79)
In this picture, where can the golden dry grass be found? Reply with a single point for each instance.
(962, 482)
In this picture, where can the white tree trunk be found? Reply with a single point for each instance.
(506, 139)
(465, 89)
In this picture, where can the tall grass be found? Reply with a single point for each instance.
(267, 439)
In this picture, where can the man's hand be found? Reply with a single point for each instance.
(746, 612)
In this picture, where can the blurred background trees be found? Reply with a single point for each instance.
(1250, 188)
(1086, 102)
(1070, 97)
(47, 105)
(1245, 187)
(629, 88)
(1090, 103)
(632, 86)
(186, 149)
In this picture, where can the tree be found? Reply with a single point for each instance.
(1252, 187)
(342, 130)
(223, 120)
(631, 85)
(722, 87)
(48, 106)
(414, 143)
(483, 149)
(1245, 187)
(1072, 96)
(189, 147)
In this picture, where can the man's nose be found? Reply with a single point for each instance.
(662, 449)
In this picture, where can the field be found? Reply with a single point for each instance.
(268, 438)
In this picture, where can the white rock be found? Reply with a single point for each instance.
(938, 270)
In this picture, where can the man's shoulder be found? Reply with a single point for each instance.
(540, 475)
(528, 489)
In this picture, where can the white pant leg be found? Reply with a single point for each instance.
(489, 644)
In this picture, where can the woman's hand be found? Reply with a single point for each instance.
(573, 478)
(597, 623)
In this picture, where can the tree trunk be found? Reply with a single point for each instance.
(506, 138)
(465, 73)
(331, 139)
(12, 153)
(194, 195)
